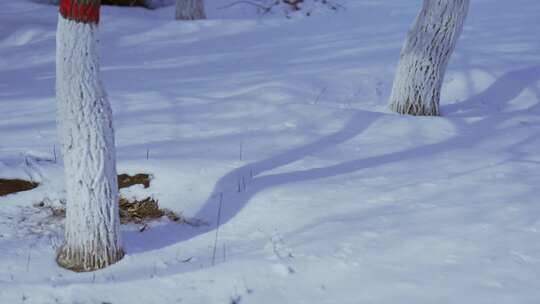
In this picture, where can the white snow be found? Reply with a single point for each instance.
(341, 201)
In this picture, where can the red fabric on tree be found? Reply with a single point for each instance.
(86, 13)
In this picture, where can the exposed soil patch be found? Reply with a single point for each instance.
(125, 180)
(9, 186)
(138, 211)
(141, 211)
(131, 211)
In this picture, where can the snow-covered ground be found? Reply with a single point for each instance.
(326, 196)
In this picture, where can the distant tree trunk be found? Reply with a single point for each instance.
(190, 10)
(92, 238)
(425, 56)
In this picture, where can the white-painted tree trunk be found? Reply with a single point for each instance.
(85, 125)
(425, 56)
(190, 10)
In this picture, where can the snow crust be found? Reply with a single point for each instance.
(340, 201)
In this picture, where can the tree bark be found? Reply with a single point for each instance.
(92, 238)
(425, 56)
(190, 10)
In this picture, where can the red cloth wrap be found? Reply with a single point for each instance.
(86, 13)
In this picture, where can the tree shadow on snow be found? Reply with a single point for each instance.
(497, 96)
(236, 188)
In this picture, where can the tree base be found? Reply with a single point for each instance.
(414, 109)
(75, 261)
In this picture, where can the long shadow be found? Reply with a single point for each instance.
(236, 188)
(503, 90)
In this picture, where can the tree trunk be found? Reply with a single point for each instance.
(92, 238)
(190, 10)
(425, 56)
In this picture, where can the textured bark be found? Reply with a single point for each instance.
(190, 10)
(425, 56)
(92, 238)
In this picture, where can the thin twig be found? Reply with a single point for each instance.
(54, 153)
(28, 261)
(217, 229)
(319, 96)
(241, 150)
